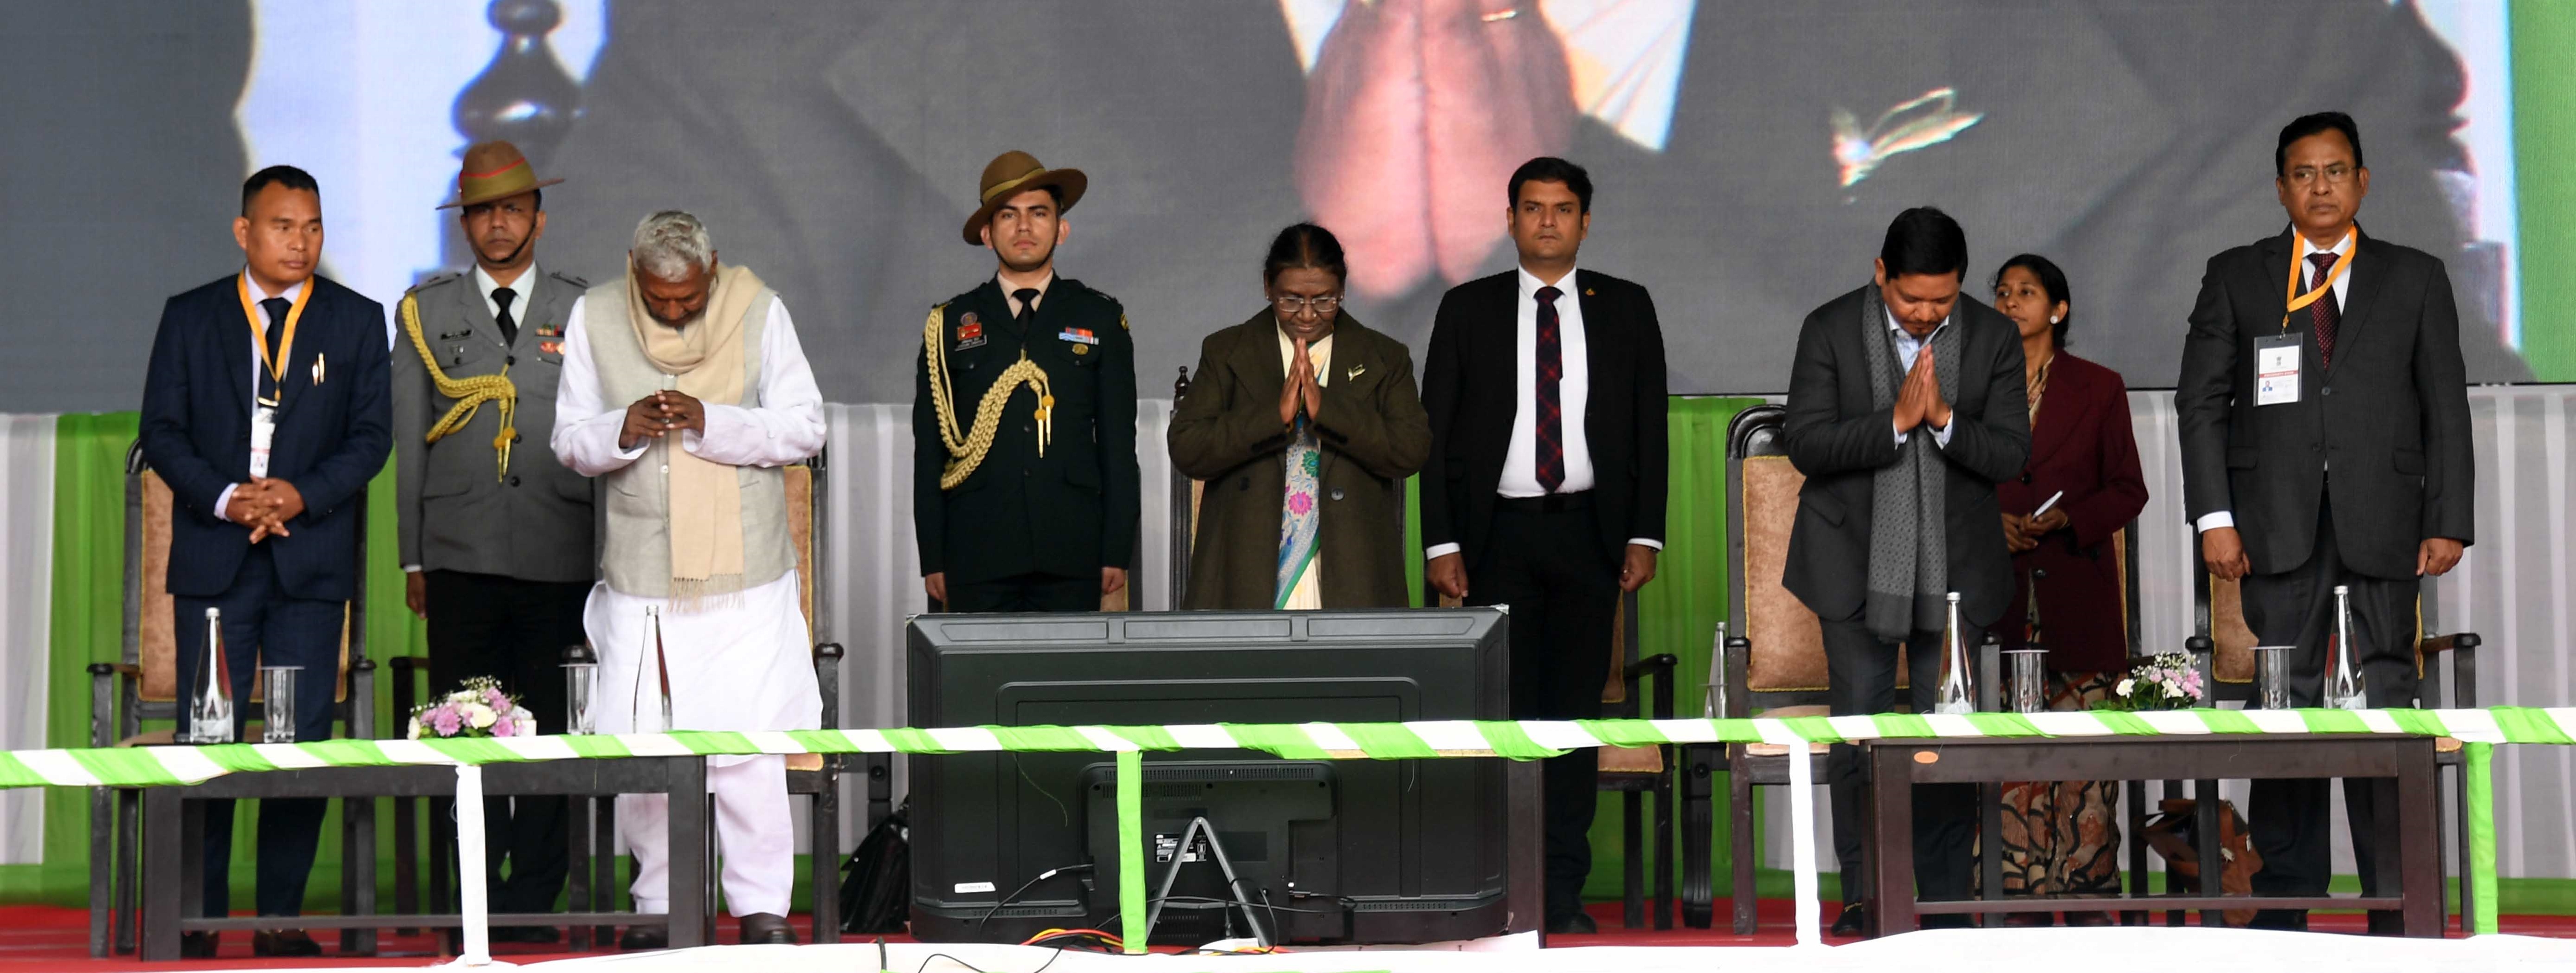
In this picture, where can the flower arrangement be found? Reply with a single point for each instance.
(480, 709)
(2168, 681)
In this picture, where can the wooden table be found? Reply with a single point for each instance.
(174, 843)
(2401, 769)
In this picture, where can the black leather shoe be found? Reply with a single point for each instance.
(1853, 920)
(525, 934)
(1573, 924)
(644, 937)
(289, 942)
(198, 945)
(763, 928)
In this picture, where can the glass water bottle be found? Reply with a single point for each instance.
(2343, 677)
(210, 700)
(1954, 697)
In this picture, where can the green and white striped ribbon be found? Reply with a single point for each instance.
(1518, 740)
(2480, 729)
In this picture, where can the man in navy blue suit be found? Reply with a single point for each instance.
(265, 410)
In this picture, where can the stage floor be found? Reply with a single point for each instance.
(47, 938)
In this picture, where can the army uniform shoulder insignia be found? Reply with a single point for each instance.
(434, 280)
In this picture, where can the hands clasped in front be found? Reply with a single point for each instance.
(264, 505)
(661, 414)
(1301, 390)
(1919, 401)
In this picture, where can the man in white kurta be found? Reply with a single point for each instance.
(732, 637)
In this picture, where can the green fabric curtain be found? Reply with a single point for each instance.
(2544, 158)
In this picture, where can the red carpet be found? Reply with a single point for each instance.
(50, 938)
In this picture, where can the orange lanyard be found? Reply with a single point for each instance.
(276, 362)
(2343, 263)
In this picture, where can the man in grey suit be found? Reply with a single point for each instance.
(1906, 406)
(2325, 442)
(496, 539)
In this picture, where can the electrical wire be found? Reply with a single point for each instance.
(1024, 890)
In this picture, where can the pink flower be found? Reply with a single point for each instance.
(493, 698)
(445, 720)
(1300, 503)
(502, 728)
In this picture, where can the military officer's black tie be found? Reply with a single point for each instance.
(502, 296)
(276, 308)
(1028, 298)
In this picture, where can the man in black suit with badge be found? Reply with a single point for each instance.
(1545, 486)
(2325, 437)
(1906, 407)
(265, 410)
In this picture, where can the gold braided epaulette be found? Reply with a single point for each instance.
(469, 393)
(966, 450)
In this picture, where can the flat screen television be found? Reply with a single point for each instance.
(1330, 851)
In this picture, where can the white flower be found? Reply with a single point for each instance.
(2173, 691)
(2126, 685)
(414, 733)
(464, 696)
(478, 715)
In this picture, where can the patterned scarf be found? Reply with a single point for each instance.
(1299, 516)
(1909, 571)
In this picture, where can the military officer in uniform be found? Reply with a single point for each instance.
(1024, 417)
(496, 535)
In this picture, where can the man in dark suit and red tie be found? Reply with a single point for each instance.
(1545, 486)
(2325, 441)
(265, 409)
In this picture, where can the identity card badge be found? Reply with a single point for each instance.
(263, 431)
(2276, 368)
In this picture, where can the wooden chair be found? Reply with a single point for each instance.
(2223, 648)
(143, 687)
(592, 883)
(1775, 664)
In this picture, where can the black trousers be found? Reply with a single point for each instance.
(2287, 818)
(514, 631)
(262, 625)
(1563, 599)
(1026, 593)
(1863, 672)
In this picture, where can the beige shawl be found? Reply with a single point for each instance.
(705, 356)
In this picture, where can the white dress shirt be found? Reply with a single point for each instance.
(787, 427)
(1573, 394)
(1907, 347)
(525, 287)
(224, 500)
(2307, 272)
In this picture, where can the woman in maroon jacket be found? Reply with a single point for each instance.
(2064, 837)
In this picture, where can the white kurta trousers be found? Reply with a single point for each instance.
(746, 666)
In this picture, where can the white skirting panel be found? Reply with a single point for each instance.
(26, 606)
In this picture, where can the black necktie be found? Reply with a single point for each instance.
(502, 296)
(276, 308)
(1028, 298)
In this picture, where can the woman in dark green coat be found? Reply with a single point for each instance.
(1301, 425)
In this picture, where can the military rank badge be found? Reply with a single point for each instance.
(970, 332)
